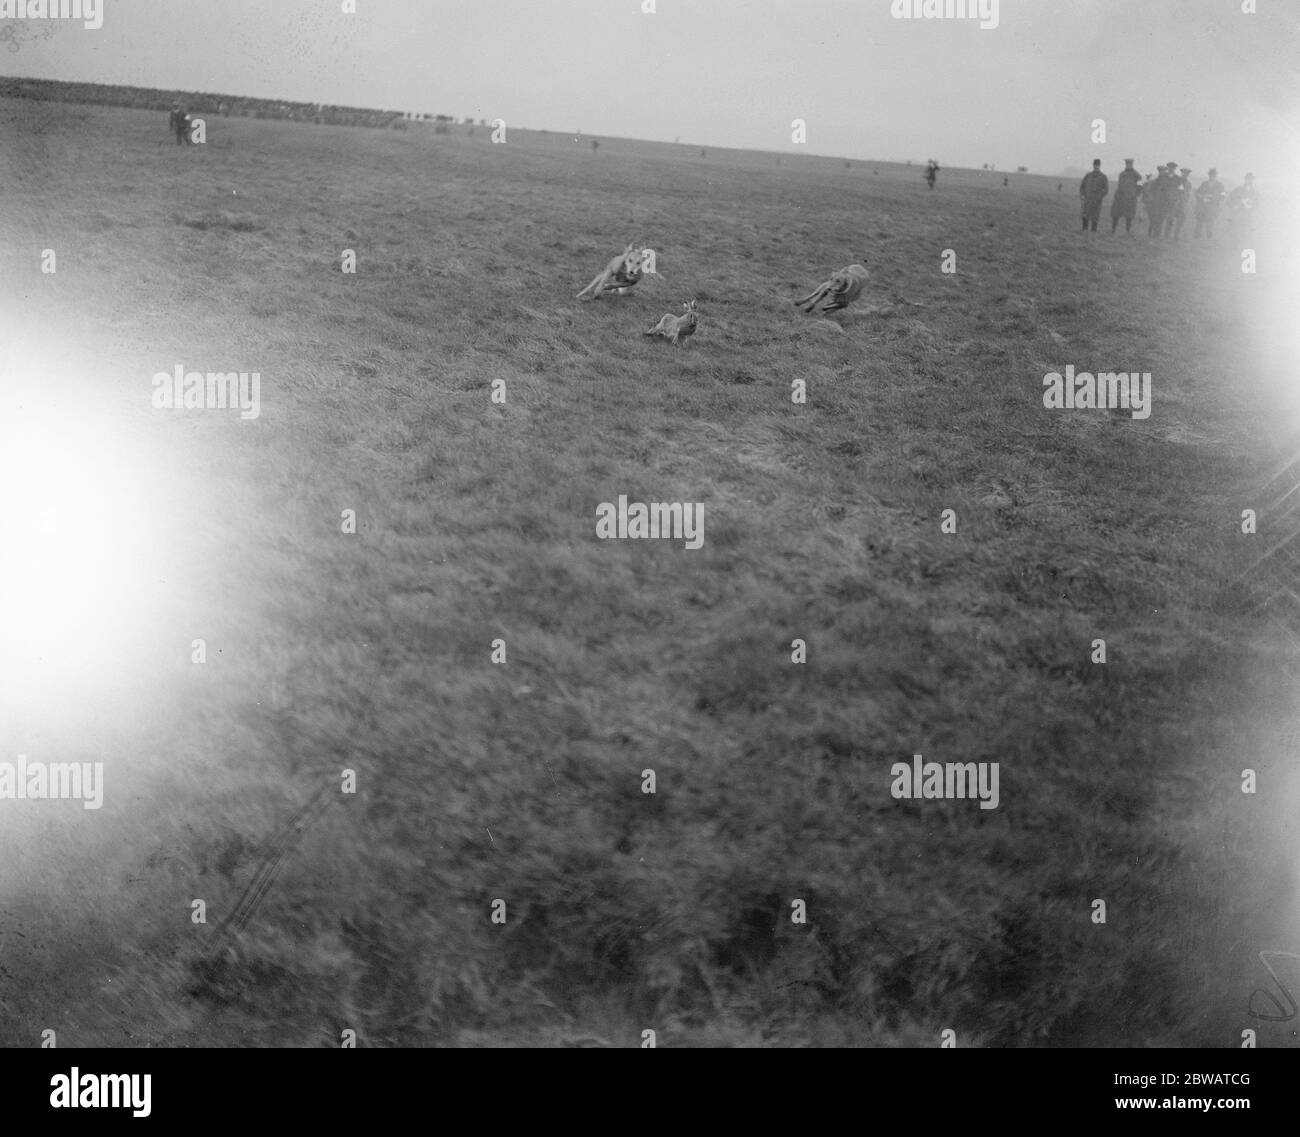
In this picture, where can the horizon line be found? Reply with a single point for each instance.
(421, 116)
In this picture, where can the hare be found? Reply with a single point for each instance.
(676, 328)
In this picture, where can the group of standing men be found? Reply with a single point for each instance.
(1166, 197)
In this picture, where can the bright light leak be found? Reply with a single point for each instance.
(78, 550)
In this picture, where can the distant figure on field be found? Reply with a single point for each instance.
(1005, 182)
(1128, 188)
(595, 144)
(1060, 186)
(1182, 193)
(931, 172)
(176, 123)
(1092, 192)
(1209, 200)
(1159, 198)
(1242, 203)
(1172, 189)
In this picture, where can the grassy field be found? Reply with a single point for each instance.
(475, 521)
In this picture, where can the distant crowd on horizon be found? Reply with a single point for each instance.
(1166, 196)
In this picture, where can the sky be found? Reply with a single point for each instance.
(1199, 82)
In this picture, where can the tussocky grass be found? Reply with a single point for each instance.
(476, 521)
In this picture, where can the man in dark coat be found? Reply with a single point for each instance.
(180, 123)
(1125, 202)
(1092, 192)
